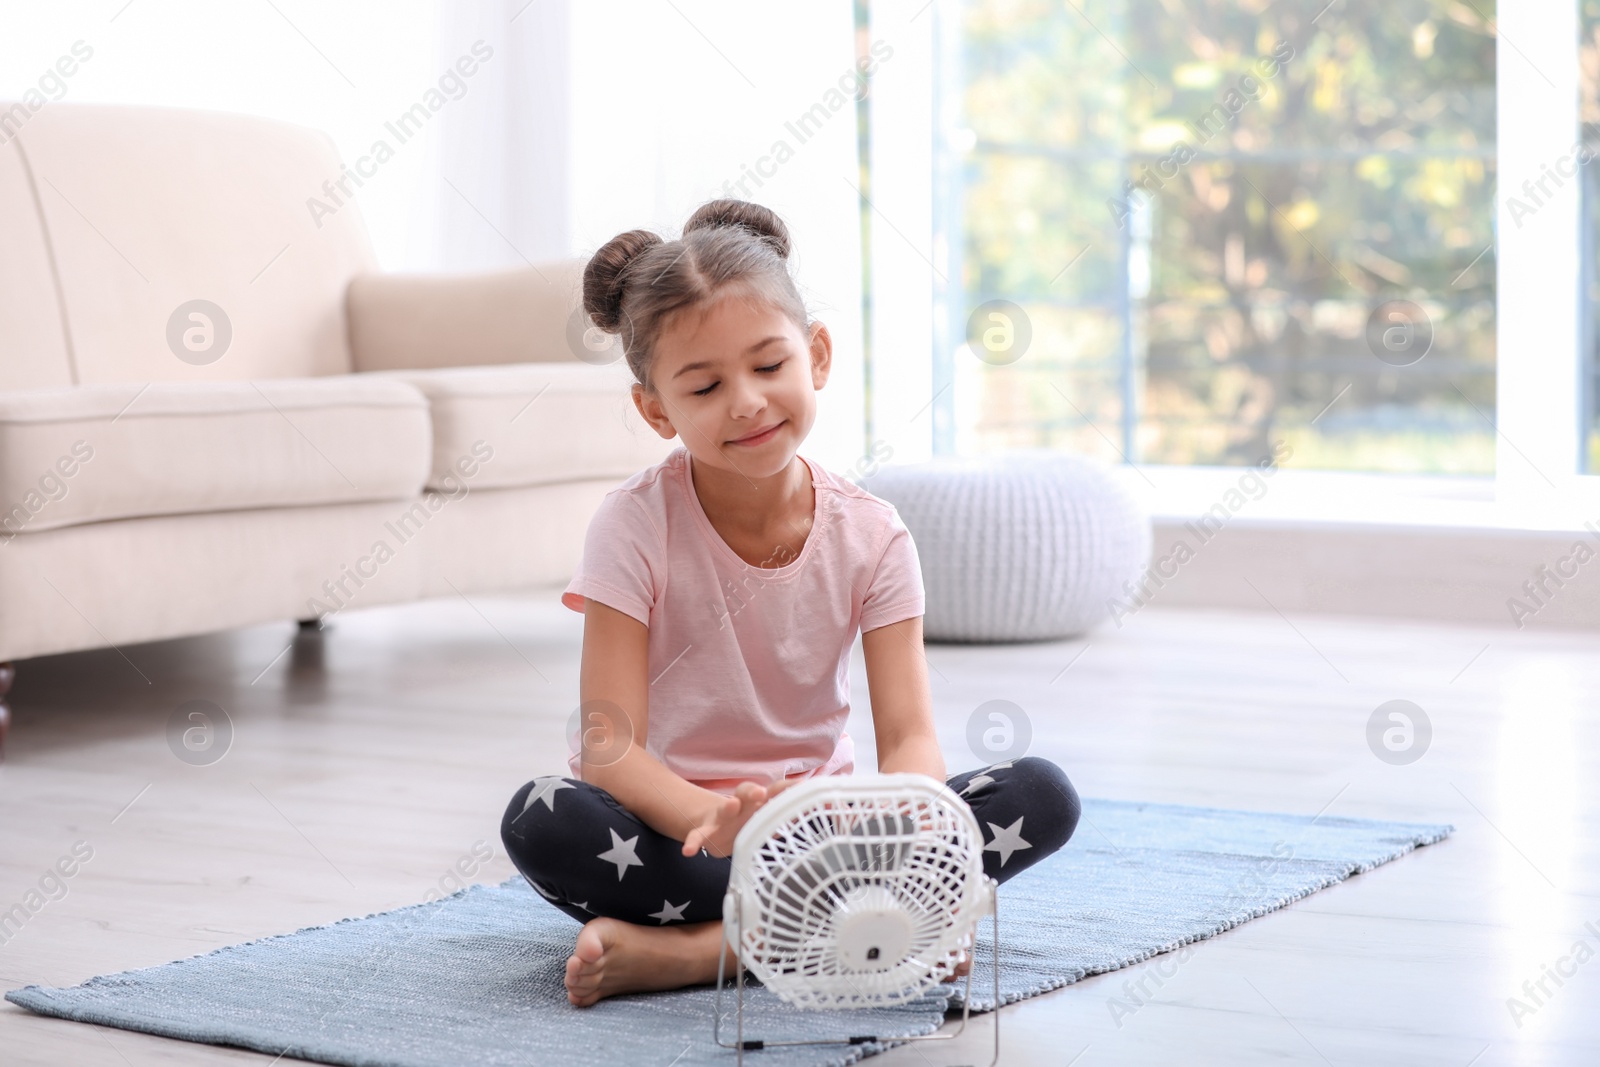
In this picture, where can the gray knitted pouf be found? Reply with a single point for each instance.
(1026, 546)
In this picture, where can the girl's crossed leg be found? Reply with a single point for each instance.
(653, 915)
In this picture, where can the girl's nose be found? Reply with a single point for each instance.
(747, 398)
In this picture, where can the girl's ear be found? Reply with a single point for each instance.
(821, 354)
(653, 411)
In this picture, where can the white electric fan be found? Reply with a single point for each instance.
(856, 892)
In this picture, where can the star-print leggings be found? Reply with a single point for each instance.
(589, 856)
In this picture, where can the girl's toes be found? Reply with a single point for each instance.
(581, 970)
(582, 981)
(591, 946)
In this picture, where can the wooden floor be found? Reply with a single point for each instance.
(366, 762)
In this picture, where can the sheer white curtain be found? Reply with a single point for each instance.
(503, 152)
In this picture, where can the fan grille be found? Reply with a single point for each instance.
(887, 874)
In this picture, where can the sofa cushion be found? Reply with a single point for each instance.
(533, 424)
(92, 453)
(424, 321)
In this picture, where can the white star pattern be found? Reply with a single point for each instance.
(584, 906)
(669, 911)
(540, 889)
(621, 853)
(977, 783)
(1006, 841)
(545, 790)
(982, 778)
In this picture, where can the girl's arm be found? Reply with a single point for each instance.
(902, 712)
(902, 706)
(615, 717)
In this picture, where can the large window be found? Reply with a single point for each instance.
(1304, 254)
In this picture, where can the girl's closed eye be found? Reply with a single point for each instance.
(770, 369)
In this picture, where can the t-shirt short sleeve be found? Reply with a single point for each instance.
(895, 592)
(622, 557)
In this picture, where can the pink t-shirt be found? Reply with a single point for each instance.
(749, 666)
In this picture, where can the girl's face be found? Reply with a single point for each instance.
(737, 384)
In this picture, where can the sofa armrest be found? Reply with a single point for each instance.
(417, 321)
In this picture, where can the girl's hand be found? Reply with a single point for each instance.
(963, 967)
(724, 822)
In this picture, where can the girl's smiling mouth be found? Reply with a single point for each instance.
(760, 436)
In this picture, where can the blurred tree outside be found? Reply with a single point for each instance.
(1294, 175)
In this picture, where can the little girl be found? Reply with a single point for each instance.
(722, 590)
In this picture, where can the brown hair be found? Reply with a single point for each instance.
(637, 283)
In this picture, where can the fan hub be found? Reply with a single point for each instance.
(873, 930)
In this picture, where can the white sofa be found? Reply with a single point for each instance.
(361, 439)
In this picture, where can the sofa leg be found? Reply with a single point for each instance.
(8, 674)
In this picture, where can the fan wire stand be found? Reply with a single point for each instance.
(754, 1044)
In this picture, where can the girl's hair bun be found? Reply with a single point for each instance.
(604, 279)
(636, 284)
(759, 221)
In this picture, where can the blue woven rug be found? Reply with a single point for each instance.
(476, 977)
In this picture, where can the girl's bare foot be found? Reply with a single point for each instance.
(613, 957)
